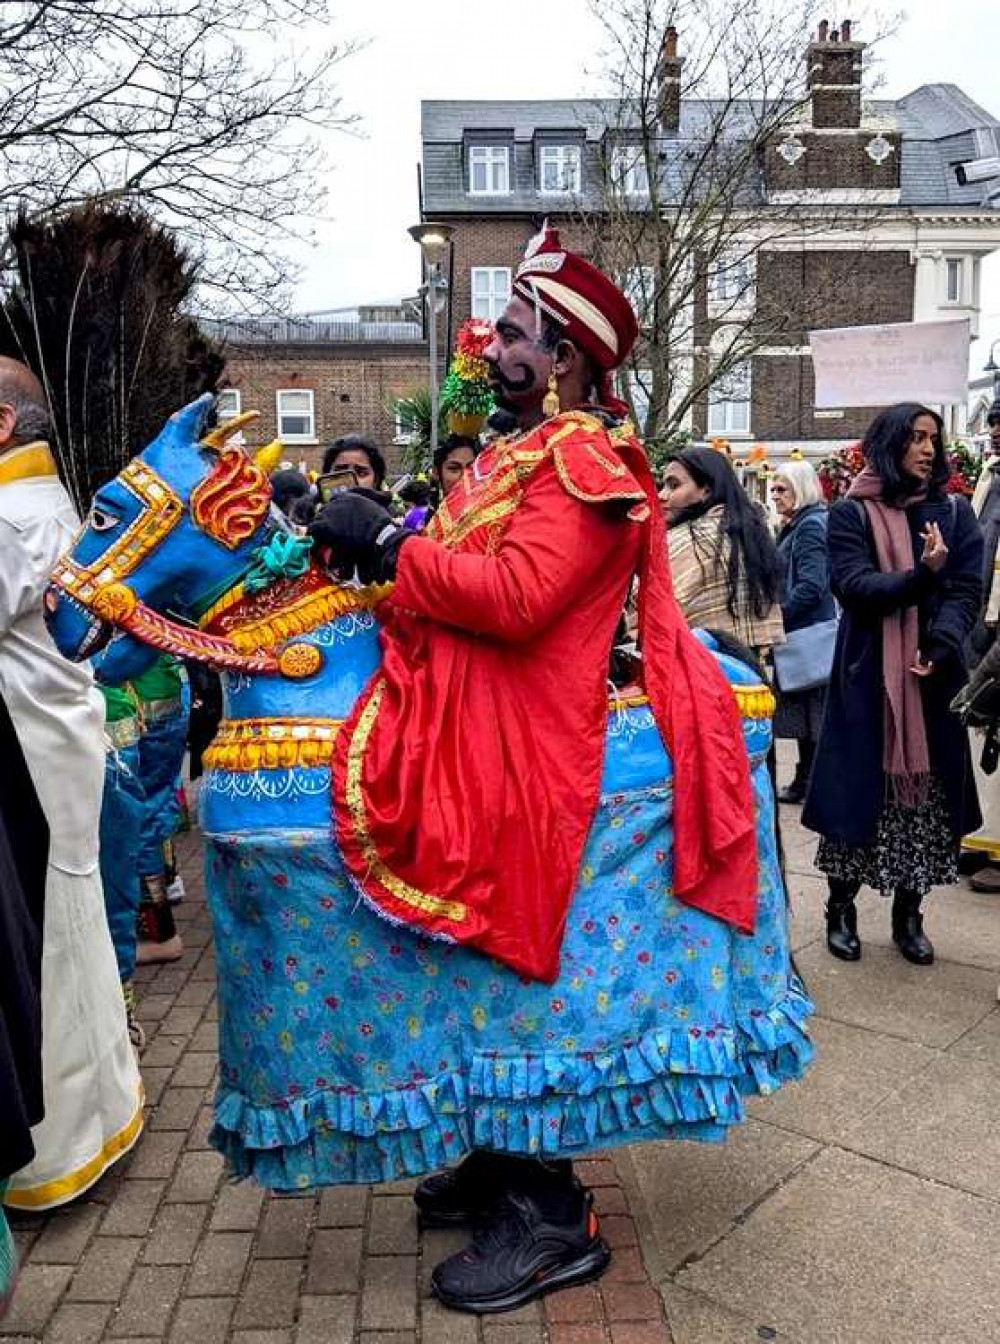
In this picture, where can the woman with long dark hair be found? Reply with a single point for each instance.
(892, 790)
(723, 558)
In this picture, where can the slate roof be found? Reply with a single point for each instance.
(940, 125)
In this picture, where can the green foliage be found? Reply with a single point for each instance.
(414, 416)
(660, 448)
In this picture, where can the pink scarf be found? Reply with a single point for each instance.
(905, 757)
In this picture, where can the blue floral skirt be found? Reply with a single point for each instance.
(353, 1050)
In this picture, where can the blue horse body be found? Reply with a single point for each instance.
(353, 1050)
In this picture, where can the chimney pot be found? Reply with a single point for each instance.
(670, 43)
(824, 29)
(845, 31)
(834, 35)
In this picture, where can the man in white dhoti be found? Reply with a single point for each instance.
(92, 1090)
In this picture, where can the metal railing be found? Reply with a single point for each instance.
(307, 331)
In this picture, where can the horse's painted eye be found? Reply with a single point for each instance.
(101, 521)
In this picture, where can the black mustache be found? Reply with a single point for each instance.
(513, 384)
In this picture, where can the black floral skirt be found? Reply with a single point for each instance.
(914, 848)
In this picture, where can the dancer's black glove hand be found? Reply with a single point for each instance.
(359, 534)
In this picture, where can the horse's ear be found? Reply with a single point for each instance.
(189, 421)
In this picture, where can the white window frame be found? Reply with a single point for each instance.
(630, 172)
(496, 293)
(223, 392)
(732, 278)
(639, 287)
(403, 433)
(494, 160)
(305, 437)
(960, 270)
(729, 416)
(567, 160)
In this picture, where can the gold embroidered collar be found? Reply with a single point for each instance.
(25, 461)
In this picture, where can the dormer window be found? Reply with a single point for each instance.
(489, 170)
(559, 170)
(628, 171)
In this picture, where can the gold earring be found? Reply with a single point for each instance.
(550, 402)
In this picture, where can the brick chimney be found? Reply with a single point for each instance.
(668, 82)
(834, 66)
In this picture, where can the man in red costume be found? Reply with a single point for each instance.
(468, 775)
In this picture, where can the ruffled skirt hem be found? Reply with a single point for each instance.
(669, 1084)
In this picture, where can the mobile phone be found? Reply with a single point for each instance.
(336, 481)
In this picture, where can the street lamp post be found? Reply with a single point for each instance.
(991, 366)
(433, 240)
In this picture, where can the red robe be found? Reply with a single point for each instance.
(467, 777)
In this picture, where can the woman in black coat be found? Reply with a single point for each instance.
(805, 600)
(892, 789)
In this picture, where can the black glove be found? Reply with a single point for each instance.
(359, 534)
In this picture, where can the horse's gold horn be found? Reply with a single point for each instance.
(216, 438)
(268, 457)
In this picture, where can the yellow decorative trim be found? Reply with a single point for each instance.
(419, 900)
(272, 744)
(299, 661)
(227, 600)
(28, 461)
(636, 496)
(755, 702)
(477, 518)
(161, 512)
(68, 1187)
(115, 603)
(301, 617)
(634, 701)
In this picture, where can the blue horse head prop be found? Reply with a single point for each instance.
(176, 527)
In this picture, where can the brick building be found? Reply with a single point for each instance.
(319, 377)
(899, 202)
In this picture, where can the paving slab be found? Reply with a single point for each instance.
(807, 901)
(932, 1005)
(982, 1042)
(854, 1069)
(694, 1319)
(963, 925)
(694, 1193)
(942, 1125)
(850, 1251)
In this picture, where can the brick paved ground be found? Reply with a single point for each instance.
(860, 1207)
(164, 1248)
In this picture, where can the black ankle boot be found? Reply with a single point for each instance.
(842, 921)
(908, 928)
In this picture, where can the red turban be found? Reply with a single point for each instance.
(592, 310)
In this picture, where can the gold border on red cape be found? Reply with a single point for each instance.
(376, 868)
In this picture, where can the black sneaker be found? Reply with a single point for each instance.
(519, 1256)
(468, 1193)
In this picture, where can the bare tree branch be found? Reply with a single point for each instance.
(684, 216)
(208, 112)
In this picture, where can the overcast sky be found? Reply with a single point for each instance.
(542, 49)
